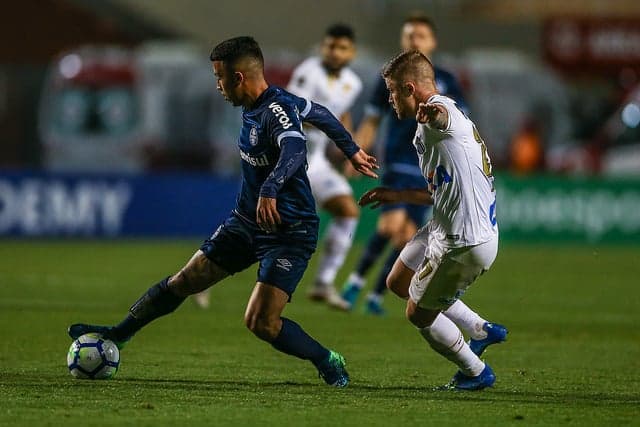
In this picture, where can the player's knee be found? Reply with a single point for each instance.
(186, 283)
(262, 327)
(420, 317)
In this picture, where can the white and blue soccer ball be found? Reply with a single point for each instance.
(93, 357)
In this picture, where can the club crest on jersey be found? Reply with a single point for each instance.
(281, 115)
(253, 135)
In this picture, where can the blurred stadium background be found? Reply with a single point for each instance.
(111, 128)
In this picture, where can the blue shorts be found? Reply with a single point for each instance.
(398, 181)
(237, 244)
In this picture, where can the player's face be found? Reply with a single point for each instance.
(337, 52)
(401, 98)
(227, 83)
(418, 36)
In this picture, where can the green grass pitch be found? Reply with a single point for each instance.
(572, 358)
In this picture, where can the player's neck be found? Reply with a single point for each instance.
(425, 95)
(253, 93)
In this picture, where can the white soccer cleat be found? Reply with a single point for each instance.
(328, 294)
(202, 299)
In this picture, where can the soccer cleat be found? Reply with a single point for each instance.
(328, 294)
(374, 307)
(202, 299)
(78, 329)
(350, 294)
(462, 382)
(333, 371)
(495, 334)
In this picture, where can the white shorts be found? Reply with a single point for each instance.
(326, 182)
(443, 274)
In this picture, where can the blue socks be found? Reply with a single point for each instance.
(293, 340)
(156, 302)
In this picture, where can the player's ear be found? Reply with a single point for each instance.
(409, 89)
(238, 77)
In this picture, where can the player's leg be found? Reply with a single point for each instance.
(482, 333)
(401, 232)
(162, 298)
(333, 193)
(443, 277)
(226, 252)
(281, 268)
(390, 221)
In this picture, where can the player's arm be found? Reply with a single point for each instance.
(434, 115)
(320, 117)
(382, 196)
(293, 152)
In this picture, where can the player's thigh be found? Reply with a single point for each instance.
(342, 206)
(265, 306)
(327, 183)
(391, 220)
(409, 261)
(232, 245)
(283, 264)
(198, 274)
(442, 281)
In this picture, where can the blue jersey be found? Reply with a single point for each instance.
(273, 152)
(399, 153)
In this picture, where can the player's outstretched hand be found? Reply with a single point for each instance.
(364, 163)
(432, 114)
(267, 215)
(379, 196)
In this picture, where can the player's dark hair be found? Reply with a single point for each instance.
(420, 18)
(408, 64)
(341, 30)
(232, 50)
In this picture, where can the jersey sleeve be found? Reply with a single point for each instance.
(293, 153)
(320, 117)
(379, 102)
(283, 120)
(285, 130)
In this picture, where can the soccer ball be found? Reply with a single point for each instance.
(93, 357)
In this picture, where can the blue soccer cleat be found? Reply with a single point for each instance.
(78, 329)
(333, 371)
(374, 307)
(495, 334)
(350, 294)
(462, 382)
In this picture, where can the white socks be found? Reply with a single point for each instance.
(445, 338)
(337, 242)
(467, 320)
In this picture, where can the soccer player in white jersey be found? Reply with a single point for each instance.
(329, 81)
(460, 242)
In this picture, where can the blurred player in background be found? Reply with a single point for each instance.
(460, 242)
(397, 222)
(329, 81)
(274, 222)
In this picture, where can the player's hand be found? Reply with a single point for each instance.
(364, 163)
(267, 215)
(348, 170)
(379, 196)
(431, 114)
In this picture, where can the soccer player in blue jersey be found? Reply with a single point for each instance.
(274, 222)
(398, 222)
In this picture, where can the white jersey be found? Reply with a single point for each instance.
(310, 80)
(456, 165)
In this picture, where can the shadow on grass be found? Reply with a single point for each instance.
(295, 389)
